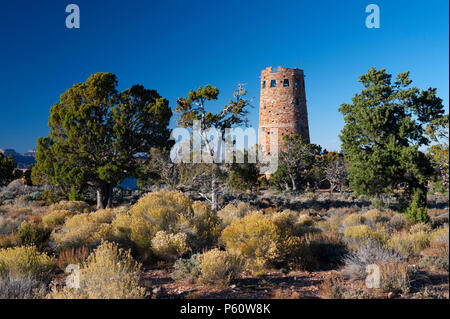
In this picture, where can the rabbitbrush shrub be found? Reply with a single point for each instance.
(169, 246)
(171, 212)
(219, 267)
(108, 273)
(25, 261)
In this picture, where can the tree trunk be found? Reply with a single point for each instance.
(214, 204)
(294, 185)
(104, 196)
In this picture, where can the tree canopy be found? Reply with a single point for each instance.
(384, 130)
(97, 135)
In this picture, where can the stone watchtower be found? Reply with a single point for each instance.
(282, 104)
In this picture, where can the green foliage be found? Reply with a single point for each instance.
(7, 166)
(95, 133)
(416, 212)
(296, 163)
(32, 234)
(385, 126)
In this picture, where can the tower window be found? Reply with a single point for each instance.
(264, 84)
(263, 129)
(286, 82)
(273, 83)
(296, 102)
(297, 83)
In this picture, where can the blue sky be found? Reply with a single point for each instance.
(175, 46)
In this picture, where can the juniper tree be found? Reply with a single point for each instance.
(97, 134)
(383, 133)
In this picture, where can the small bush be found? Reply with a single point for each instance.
(108, 273)
(409, 244)
(440, 235)
(363, 233)
(169, 246)
(72, 256)
(219, 267)
(87, 229)
(368, 253)
(75, 207)
(26, 261)
(31, 234)
(397, 222)
(353, 220)
(335, 288)
(415, 212)
(56, 218)
(232, 212)
(420, 228)
(21, 288)
(187, 269)
(255, 237)
(376, 216)
(394, 277)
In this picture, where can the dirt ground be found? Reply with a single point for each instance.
(297, 285)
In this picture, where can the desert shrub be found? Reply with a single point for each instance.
(72, 206)
(219, 267)
(376, 216)
(370, 252)
(394, 277)
(21, 288)
(9, 224)
(25, 261)
(332, 224)
(255, 237)
(108, 273)
(420, 228)
(187, 269)
(409, 244)
(203, 227)
(440, 234)
(169, 246)
(397, 222)
(231, 212)
(72, 256)
(171, 212)
(87, 229)
(362, 233)
(353, 220)
(32, 234)
(334, 288)
(415, 212)
(436, 256)
(7, 241)
(56, 217)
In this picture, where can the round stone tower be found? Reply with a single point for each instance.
(282, 105)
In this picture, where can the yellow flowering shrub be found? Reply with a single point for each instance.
(409, 243)
(76, 207)
(87, 229)
(108, 273)
(231, 212)
(255, 237)
(219, 267)
(171, 212)
(56, 217)
(169, 246)
(362, 233)
(377, 216)
(353, 220)
(25, 261)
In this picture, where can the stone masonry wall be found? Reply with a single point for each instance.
(282, 104)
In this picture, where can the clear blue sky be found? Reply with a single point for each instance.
(175, 46)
